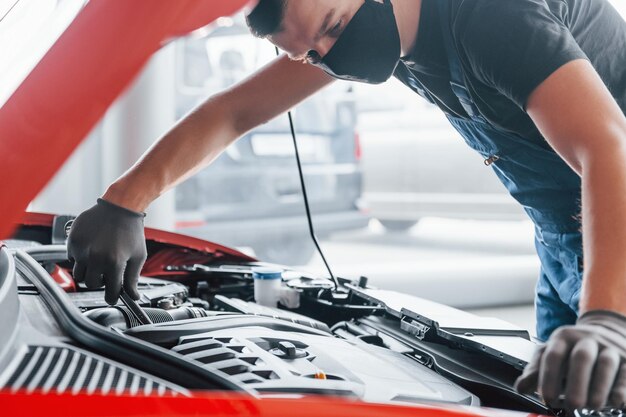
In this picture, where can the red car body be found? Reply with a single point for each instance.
(214, 405)
(70, 89)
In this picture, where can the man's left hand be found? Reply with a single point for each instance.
(586, 363)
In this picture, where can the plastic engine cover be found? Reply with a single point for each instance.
(281, 361)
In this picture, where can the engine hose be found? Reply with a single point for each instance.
(121, 317)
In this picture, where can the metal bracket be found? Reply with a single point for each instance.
(414, 328)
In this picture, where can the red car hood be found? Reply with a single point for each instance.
(221, 405)
(70, 89)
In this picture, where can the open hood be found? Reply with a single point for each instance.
(73, 85)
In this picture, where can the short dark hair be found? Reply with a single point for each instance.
(267, 17)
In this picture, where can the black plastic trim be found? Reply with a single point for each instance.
(445, 361)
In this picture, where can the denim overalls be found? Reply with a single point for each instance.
(536, 177)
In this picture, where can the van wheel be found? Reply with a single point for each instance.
(398, 225)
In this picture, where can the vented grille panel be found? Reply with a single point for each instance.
(227, 355)
(64, 370)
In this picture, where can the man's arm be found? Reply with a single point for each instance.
(576, 113)
(202, 135)
(107, 242)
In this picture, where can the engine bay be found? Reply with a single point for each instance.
(354, 341)
(271, 350)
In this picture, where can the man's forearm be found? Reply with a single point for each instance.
(201, 136)
(193, 143)
(604, 228)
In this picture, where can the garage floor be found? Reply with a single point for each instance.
(461, 263)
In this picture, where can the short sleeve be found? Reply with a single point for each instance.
(514, 45)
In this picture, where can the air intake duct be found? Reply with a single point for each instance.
(121, 317)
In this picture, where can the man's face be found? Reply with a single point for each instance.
(313, 25)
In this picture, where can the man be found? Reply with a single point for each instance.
(538, 87)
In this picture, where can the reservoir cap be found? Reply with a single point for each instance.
(265, 273)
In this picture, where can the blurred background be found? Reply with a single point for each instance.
(396, 195)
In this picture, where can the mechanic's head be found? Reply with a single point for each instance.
(349, 39)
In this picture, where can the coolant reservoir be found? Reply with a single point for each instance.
(267, 283)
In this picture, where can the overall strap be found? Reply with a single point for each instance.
(457, 75)
(416, 85)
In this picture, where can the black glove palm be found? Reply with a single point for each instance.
(108, 246)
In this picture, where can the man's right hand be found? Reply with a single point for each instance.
(108, 247)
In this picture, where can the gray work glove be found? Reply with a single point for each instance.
(586, 362)
(108, 247)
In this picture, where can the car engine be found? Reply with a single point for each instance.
(208, 333)
(273, 350)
